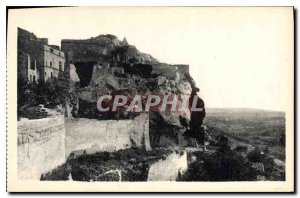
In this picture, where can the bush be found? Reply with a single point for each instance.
(49, 94)
(229, 166)
(240, 148)
(223, 165)
(255, 156)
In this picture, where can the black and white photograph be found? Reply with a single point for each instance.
(109, 98)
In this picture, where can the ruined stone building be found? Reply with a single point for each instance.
(26, 69)
(106, 51)
(37, 60)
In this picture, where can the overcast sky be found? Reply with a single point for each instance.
(239, 57)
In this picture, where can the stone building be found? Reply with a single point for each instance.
(95, 49)
(106, 50)
(26, 69)
(54, 62)
(37, 60)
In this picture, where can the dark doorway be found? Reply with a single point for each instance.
(85, 71)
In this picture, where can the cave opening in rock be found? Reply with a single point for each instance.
(85, 71)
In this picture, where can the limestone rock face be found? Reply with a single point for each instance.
(160, 80)
(184, 88)
(119, 68)
(106, 39)
(166, 127)
(73, 75)
(169, 169)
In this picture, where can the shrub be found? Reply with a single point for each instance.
(223, 165)
(229, 166)
(240, 148)
(43, 93)
(255, 156)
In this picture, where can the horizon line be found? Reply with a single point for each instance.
(246, 108)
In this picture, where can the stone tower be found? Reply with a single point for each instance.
(124, 42)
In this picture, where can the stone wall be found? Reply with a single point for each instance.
(88, 136)
(170, 169)
(41, 146)
(85, 50)
(23, 65)
(172, 72)
(183, 70)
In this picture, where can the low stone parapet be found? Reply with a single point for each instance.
(89, 136)
(41, 146)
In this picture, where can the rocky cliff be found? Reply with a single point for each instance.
(107, 66)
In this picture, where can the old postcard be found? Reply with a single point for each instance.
(150, 99)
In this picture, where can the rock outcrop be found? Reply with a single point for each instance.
(108, 66)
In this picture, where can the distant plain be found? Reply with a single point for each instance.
(259, 128)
